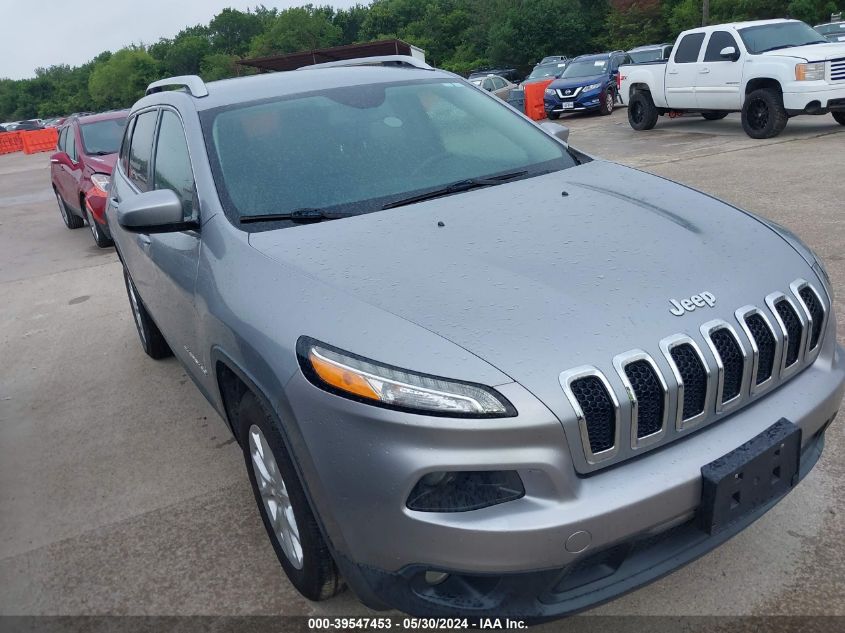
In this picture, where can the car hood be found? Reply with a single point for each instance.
(103, 164)
(811, 52)
(535, 282)
(563, 84)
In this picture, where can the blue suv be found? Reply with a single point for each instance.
(588, 83)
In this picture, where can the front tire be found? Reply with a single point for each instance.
(839, 117)
(152, 340)
(763, 114)
(642, 113)
(607, 102)
(714, 115)
(553, 116)
(100, 238)
(284, 508)
(71, 221)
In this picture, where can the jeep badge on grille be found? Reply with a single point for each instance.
(688, 305)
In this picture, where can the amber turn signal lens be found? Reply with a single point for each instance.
(341, 377)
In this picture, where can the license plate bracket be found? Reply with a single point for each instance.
(764, 468)
(567, 105)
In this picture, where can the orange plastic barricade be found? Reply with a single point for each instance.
(39, 140)
(534, 107)
(10, 142)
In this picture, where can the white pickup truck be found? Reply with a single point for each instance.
(769, 70)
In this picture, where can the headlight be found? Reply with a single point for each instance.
(367, 381)
(809, 72)
(101, 182)
(592, 87)
(550, 92)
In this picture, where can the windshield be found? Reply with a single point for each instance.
(547, 70)
(102, 137)
(832, 29)
(587, 68)
(770, 37)
(649, 55)
(355, 149)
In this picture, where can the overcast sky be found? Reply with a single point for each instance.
(48, 32)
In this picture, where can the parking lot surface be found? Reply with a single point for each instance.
(122, 492)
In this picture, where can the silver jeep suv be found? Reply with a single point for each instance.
(473, 371)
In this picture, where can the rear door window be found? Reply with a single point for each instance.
(688, 48)
(173, 162)
(141, 149)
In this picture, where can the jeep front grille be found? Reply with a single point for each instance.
(773, 342)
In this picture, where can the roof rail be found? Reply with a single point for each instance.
(378, 60)
(193, 84)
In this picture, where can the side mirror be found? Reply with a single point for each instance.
(60, 158)
(560, 132)
(729, 52)
(158, 211)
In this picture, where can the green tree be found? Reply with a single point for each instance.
(231, 31)
(120, 81)
(300, 29)
(218, 66)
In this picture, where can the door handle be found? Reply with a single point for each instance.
(704, 71)
(673, 72)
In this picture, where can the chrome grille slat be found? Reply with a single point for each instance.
(765, 347)
(648, 395)
(569, 380)
(731, 360)
(837, 69)
(692, 375)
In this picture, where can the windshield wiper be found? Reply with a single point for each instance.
(305, 215)
(456, 187)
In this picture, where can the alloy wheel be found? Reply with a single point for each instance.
(637, 113)
(274, 495)
(758, 114)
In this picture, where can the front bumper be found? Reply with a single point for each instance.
(521, 557)
(814, 97)
(582, 102)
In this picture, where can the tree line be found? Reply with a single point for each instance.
(457, 35)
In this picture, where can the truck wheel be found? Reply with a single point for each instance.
(284, 509)
(713, 115)
(839, 117)
(607, 102)
(151, 338)
(71, 221)
(642, 113)
(763, 114)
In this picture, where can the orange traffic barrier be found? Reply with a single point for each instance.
(10, 142)
(534, 107)
(39, 140)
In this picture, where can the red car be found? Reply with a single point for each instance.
(81, 168)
